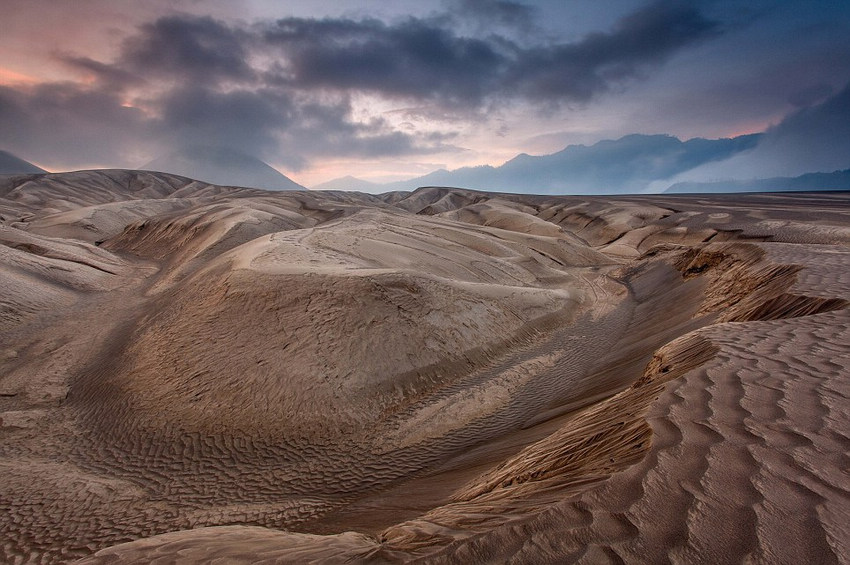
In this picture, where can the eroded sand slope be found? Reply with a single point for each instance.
(444, 376)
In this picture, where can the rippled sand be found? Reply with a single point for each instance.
(191, 372)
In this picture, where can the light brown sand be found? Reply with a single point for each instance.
(447, 376)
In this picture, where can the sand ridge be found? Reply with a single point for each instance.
(444, 375)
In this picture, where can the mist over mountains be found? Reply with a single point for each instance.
(813, 139)
(222, 166)
(837, 180)
(349, 183)
(12, 165)
(626, 165)
(632, 164)
(799, 153)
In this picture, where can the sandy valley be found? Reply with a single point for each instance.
(191, 372)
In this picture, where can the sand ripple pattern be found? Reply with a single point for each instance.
(748, 463)
(445, 376)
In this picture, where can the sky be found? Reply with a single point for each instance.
(391, 90)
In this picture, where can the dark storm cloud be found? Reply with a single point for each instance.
(499, 11)
(418, 58)
(282, 90)
(244, 119)
(578, 71)
(413, 58)
(831, 118)
(104, 73)
(69, 123)
(813, 138)
(503, 14)
(280, 125)
(188, 48)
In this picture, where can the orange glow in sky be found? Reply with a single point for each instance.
(754, 126)
(10, 77)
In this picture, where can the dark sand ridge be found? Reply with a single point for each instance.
(441, 382)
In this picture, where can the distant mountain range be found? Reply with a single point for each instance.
(12, 165)
(838, 180)
(222, 166)
(631, 164)
(626, 165)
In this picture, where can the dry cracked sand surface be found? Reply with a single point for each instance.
(191, 373)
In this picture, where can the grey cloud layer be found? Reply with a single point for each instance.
(188, 48)
(418, 59)
(283, 89)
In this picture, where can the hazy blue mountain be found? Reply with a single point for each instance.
(628, 164)
(838, 180)
(349, 183)
(12, 165)
(222, 166)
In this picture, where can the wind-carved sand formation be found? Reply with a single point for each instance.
(193, 372)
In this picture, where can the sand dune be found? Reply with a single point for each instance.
(192, 372)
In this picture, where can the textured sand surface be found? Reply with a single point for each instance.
(191, 372)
